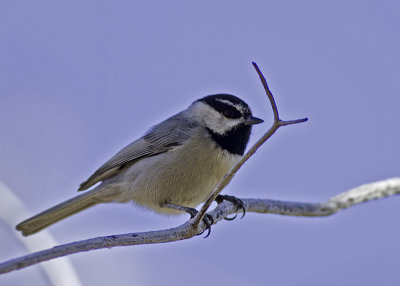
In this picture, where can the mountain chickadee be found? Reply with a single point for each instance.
(178, 162)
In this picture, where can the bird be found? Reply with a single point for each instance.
(172, 168)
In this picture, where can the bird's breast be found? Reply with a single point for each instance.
(186, 176)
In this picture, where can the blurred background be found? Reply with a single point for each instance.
(81, 79)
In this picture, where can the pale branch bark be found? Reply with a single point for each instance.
(196, 225)
(358, 195)
(344, 200)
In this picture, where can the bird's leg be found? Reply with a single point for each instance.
(237, 202)
(207, 219)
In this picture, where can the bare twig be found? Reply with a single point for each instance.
(344, 200)
(228, 176)
(196, 226)
(185, 231)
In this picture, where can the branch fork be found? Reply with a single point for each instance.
(196, 225)
(229, 175)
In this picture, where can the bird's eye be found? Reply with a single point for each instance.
(231, 113)
(227, 113)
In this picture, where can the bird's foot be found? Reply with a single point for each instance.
(207, 219)
(237, 202)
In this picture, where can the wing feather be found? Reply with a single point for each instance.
(161, 138)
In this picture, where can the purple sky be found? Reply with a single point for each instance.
(81, 79)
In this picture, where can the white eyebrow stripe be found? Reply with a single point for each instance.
(238, 107)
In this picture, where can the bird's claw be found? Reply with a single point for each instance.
(237, 202)
(207, 220)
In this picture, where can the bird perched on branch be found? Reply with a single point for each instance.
(172, 168)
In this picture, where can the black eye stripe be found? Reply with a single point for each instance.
(225, 108)
(231, 112)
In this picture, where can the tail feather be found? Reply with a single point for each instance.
(58, 212)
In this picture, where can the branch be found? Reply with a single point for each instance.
(228, 176)
(196, 225)
(344, 200)
(358, 195)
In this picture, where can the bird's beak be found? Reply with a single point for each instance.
(251, 120)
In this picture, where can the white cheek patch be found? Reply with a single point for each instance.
(223, 125)
(212, 119)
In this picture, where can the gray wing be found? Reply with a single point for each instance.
(161, 138)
